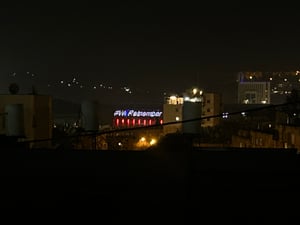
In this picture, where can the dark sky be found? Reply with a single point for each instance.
(151, 48)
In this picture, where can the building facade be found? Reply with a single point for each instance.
(193, 104)
(281, 83)
(35, 116)
(282, 136)
(125, 118)
(254, 93)
(173, 112)
(212, 105)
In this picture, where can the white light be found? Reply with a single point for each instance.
(173, 97)
(69, 85)
(195, 91)
(120, 144)
(61, 81)
(153, 142)
(225, 115)
(250, 77)
(95, 87)
(177, 118)
(143, 139)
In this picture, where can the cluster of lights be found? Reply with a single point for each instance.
(97, 85)
(281, 82)
(14, 74)
(225, 115)
(75, 83)
(121, 122)
(144, 142)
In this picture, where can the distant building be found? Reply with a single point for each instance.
(193, 104)
(254, 93)
(173, 112)
(125, 118)
(135, 139)
(281, 83)
(27, 116)
(282, 136)
(212, 105)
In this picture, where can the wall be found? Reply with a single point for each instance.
(37, 116)
(211, 106)
(170, 112)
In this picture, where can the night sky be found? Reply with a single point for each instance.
(139, 52)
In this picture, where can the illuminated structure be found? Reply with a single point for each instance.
(173, 108)
(212, 105)
(35, 114)
(136, 139)
(192, 109)
(132, 118)
(254, 93)
(281, 83)
(181, 108)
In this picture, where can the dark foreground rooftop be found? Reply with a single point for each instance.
(206, 185)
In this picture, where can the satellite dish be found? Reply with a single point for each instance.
(14, 88)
